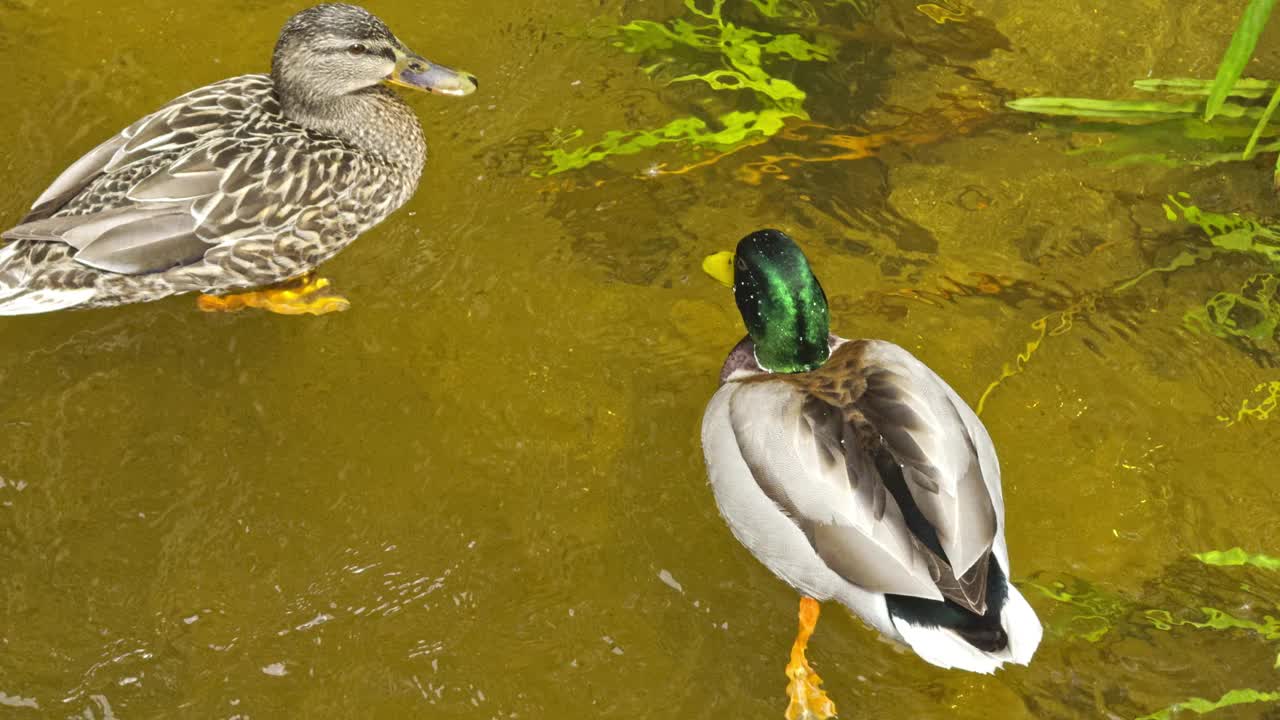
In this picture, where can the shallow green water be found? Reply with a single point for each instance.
(479, 493)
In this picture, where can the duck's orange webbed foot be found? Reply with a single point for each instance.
(804, 687)
(307, 295)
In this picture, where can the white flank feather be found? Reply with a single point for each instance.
(43, 301)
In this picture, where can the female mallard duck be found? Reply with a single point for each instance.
(856, 474)
(246, 183)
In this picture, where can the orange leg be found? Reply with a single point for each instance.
(306, 295)
(808, 701)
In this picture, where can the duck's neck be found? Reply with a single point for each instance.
(375, 120)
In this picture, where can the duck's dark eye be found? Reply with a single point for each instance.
(357, 49)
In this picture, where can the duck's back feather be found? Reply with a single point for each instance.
(895, 404)
(169, 132)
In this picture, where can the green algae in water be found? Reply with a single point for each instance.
(1099, 611)
(1251, 314)
(1253, 311)
(1216, 619)
(1232, 233)
(1226, 233)
(745, 53)
(1237, 557)
(1201, 706)
(1270, 402)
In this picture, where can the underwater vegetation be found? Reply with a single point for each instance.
(748, 71)
(745, 59)
(1214, 121)
(1246, 316)
(1250, 314)
(1090, 614)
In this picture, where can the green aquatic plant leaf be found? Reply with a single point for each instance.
(796, 47)
(775, 8)
(1252, 314)
(1089, 107)
(734, 128)
(1201, 706)
(642, 36)
(1176, 142)
(1248, 88)
(1124, 109)
(1238, 54)
(1236, 557)
(1233, 233)
(1250, 149)
(745, 54)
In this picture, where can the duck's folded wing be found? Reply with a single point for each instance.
(177, 125)
(947, 460)
(154, 229)
(805, 459)
(224, 190)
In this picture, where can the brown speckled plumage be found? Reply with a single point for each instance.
(243, 183)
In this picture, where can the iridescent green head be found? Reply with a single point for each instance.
(781, 302)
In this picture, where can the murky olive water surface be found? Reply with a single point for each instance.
(479, 493)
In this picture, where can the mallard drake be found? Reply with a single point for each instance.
(856, 474)
(246, 183)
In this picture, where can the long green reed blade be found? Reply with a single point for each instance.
(1125, 109)
(1262, 124)
(1238, 53)
(1248, 88)
(1088, 107)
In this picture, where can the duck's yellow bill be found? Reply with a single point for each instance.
(720, 267)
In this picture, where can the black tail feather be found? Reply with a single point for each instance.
(981, 631)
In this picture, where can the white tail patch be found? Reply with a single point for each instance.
(946, 649)
(43, 301)
(1023, 626)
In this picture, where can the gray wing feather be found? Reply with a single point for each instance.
(74, 179)
(924, 426)
(150, 243)
(179, 122)
(133, 239)
(191, 177)
(835, 496)
(80, 230)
